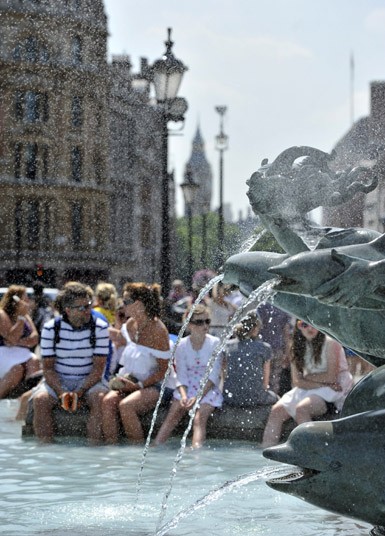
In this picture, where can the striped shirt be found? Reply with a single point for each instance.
(74, 353)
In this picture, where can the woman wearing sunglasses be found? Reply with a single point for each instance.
(320, 377)
(144, 364)
(18, 335)
(191, 357)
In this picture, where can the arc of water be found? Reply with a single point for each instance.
(214, 495)
(200, 297)
(257, 296)
(252, 240)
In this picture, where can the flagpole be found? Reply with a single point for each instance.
(352, 88)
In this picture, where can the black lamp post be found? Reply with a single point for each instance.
(221, 145)
(167, 74)
(189, 189)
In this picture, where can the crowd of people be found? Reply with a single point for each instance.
(111, 354)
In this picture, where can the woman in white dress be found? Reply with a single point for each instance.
(18, 335)
(320, 375)
(191, 358)
(144, 363)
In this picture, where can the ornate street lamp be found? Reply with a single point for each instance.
(189, 189)
(167, 74)
(221, 144)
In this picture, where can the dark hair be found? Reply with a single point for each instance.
(149, 295)
(69, 293)
(8, 304)
(38, 288)
(298, 348)
(246, 325)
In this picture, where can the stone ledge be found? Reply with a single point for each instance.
(225, 423)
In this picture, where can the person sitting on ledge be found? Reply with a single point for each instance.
(191, 358)
(144, 362)
(18, 334)
(247, 382)
(320, 377)
(74, 350)
(105, 301)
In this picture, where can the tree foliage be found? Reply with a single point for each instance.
(248, 235)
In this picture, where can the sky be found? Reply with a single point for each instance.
(283, 68)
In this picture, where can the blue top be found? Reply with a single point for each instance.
(243, 386)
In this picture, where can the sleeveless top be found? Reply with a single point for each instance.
(27, 330)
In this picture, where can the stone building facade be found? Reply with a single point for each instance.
(135, 164)
(363, 144)
(80, 172)
(53, 165)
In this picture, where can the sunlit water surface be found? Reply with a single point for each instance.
(71, 488)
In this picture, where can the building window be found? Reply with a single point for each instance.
(44, 162)
(76, 50)
(98, 168)
(31, 50)
(17, 52)
(33, 225)
(19, 105)
(31, 161)
(44, 107)
(46, 226)
(77, 220)
(31, 112)
(18, 226)
(76, 164)
(77, 111)
(31, 106)
(17, 157)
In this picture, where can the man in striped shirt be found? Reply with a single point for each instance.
(74, 350)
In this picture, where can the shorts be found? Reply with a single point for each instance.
(70, 385)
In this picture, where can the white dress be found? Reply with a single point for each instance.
(14, 355)
(141, 361)
(191, 366)
(11, 356)
(291, 399)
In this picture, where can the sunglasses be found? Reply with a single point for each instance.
(128, 301)
(81, 308)
(201, 322)
(302, 324)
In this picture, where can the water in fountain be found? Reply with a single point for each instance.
(311, 234)
(69, 488)
(218, 492)
(252, 240)
(257, 297)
